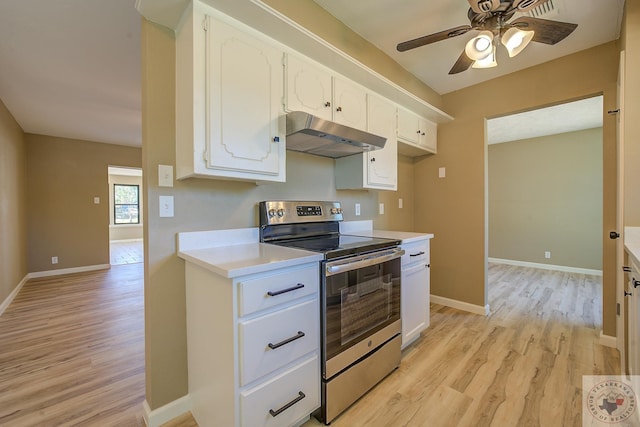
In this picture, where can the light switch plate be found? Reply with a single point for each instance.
(96, 200)
(166, 206)
(442, 172)
(165, 176)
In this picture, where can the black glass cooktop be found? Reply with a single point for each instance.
(339, 245)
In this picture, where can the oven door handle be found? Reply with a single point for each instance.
(362, 261)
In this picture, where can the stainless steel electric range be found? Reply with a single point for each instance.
(359, 297)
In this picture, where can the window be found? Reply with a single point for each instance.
(126, 207)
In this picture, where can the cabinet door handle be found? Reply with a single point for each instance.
(339, 109)
(423, 134)
(284, 291)
(635, 283)
(418, 254)
(288, 405)
(418, 131)
(327, 104)
(299, 335)
(626, 269)
(373, 159)
(627, 294)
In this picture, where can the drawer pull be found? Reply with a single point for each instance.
(299, 335)
(418, 254)
(288, 405)
(284, 291)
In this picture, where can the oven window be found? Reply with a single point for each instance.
(359, 303)
(364, 306)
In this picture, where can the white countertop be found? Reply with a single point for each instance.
(237, 252)
(248, 258)
(632, 243)
(405, 236)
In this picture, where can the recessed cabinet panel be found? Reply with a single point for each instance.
(349, 104)
(383, 164)
(308, 88)
(244, 80)
(417, 136)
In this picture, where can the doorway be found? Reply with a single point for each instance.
(125, 215)
(545, 188)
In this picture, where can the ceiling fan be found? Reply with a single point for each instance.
(491, 17)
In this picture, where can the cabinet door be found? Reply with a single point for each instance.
(244, 83)
(349, 104)
(382, 165)
(414, 302)
(428, 135)
(408, 126)
(307, 88)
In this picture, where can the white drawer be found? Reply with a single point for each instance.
(276, 393)
(293, 331)
(415, 252)
(266, 291)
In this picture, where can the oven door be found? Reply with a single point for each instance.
(360, 307)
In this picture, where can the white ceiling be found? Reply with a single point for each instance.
(569, 117)
(385, 23)
(71, 68)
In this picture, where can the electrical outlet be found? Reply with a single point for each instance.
(166, 206)
(381, 209)
(357, 209)
(400, 203)
(547, 254)
(54, 260)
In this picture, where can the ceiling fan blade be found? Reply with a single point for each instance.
(462, 64)
(546, 31)
(432, 38)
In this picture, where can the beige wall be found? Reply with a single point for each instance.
(13, 204)
(125, 231)
(63, 177)
(545, 194)
(631, 42)
(454, 207)
(202, 204)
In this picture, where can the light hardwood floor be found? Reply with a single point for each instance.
(71, 353)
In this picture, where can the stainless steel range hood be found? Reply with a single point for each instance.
(313, 135)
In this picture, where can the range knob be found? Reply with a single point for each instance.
(280, 212)
(272, 213)
(336, 211)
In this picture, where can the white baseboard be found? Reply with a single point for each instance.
(608, 341)
(461, 305)
(12, 295)
(546, 266)
(62, 271)
(166, 413)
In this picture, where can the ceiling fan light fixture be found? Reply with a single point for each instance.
(515, 40)
(480, 46)
(488, 61)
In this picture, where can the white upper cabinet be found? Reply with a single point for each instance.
(417, 136)
(349, 104)
(376, 169)
(230, 121)
(317, 91)
(308, 88)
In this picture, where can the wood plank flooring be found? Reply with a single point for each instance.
(72, 353)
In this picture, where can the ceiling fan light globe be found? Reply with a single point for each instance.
(515, 40)
(488, 61)
(480, 46)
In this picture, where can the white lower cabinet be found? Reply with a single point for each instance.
(253, 346)
(414, 290)
(284, 399)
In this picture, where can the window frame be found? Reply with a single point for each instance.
(116, 205)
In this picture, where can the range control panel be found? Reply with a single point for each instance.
(286, 212)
